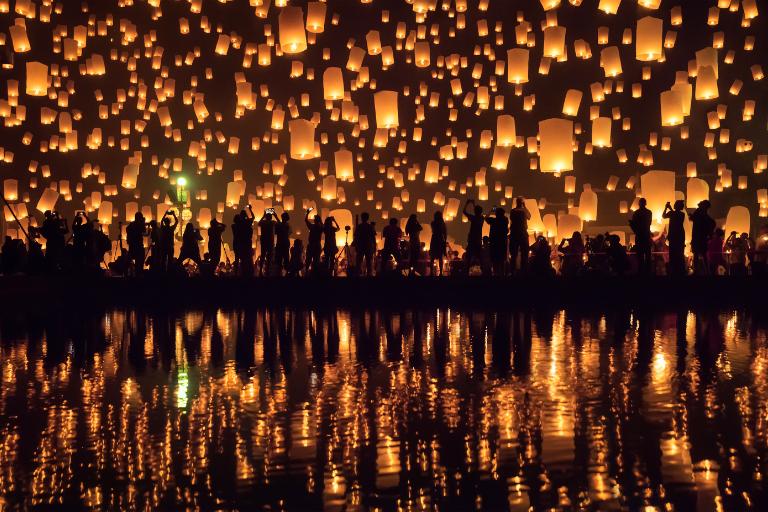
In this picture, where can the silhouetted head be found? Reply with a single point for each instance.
(576, 237)
(153, 223)
(138, 217)
(48, 214)
(438, 216)
(329, 222)
(679, 205)
(166, 221)
(285, 217)
(705, 204)
(642, 202)
(499, 212)
(268, 216)
(478, 209)
(393, 221)
(412, 218)
(243, 214)
(189, 228)
(720, 232)
(364, 216)
(520, 201)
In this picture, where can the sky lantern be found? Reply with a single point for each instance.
(648, 39)
(554, 42)
(11, 189)
(707, 57)
(658, 187)
(706, 84)
(555, 146)
(517, 65)
(19, 37)
(588, 204)
(302, 134)
(671, 108)
(105, 212)
(47, 200)
(572, 102)
(567, 225)
(385, 103)
(130, 176)
(738, 220)
(293, 39)
(329, 188)
(601, 132)
(37, 79)
(697, 190)
(333, 83)
(609, 6)
(421, 54)
(343, 159)
(649, 4)
(505, 130)
(316, 17)
(685, 90)
(610, 61)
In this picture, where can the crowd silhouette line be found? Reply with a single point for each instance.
(171, 246)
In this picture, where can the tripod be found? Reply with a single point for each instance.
(344, 252)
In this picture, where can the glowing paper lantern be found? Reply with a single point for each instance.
(517, 65)
(556, 145)
(572, 102)
(344, 165)
(567, 225)
(47, 200)
(737, 220)
(105, 213)
(293, 39)
(11, 189)
(385, 103)
(333, 84)
(37, 79)
(130, 176)
(609, 6)
(648, 39)
(554, 42)
(588, 204)
(658, 187)
(706, 84)
(316, 17)
(610, 61)
(697, 190)
(505, 131)
(671, 108)
(302, 134)
(601, 132)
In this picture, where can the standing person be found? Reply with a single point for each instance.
(413, 230)
(676, 237)
(134, 234)
(641, 227)
(314, 242)
(701, 232)
(167, 230)
(82, 244)
(266, 241)
(518, 235)
(330, 248)
(215, 233)
(364, 242)
(572, 250)
(54, 230)
(190, 244)
(475, 236)
(242, 241)
(759, 257)
(154, 246)
(296, 265)
(497, 240)
(392, 235)
(283, 244)
(438, 243)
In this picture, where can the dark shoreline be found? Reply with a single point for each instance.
(24, 293)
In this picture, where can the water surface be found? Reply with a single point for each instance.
(383, 410)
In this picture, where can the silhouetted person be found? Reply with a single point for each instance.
(597, 257)
(215, 232)
(439, 242)
(572, 250)
(413, 230)
(475, 235)
(641, 226)
(134, 234)
(715, 256)
(266, 241)
(497, 239)
(541, 258)
(296, 264)
(35, 256)
(701, 231)
(737, 246)
(54, 230)
(617, 255)
(13, 256)
(330, 248)
(314, 241)
(190, 244)
(676, 237)
(364, 242)
(518, 235)
(282, 242)
(167, 230)
(759, 258)
(242, 241)
(392, 235)
(82, 240)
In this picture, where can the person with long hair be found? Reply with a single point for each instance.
(330, 248)
(439, 242)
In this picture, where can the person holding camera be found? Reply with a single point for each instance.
(266, 241)
(330, 248)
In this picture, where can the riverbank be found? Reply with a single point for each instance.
(65, 292)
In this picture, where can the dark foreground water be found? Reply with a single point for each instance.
(383, 410)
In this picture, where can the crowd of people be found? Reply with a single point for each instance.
(508, 248)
